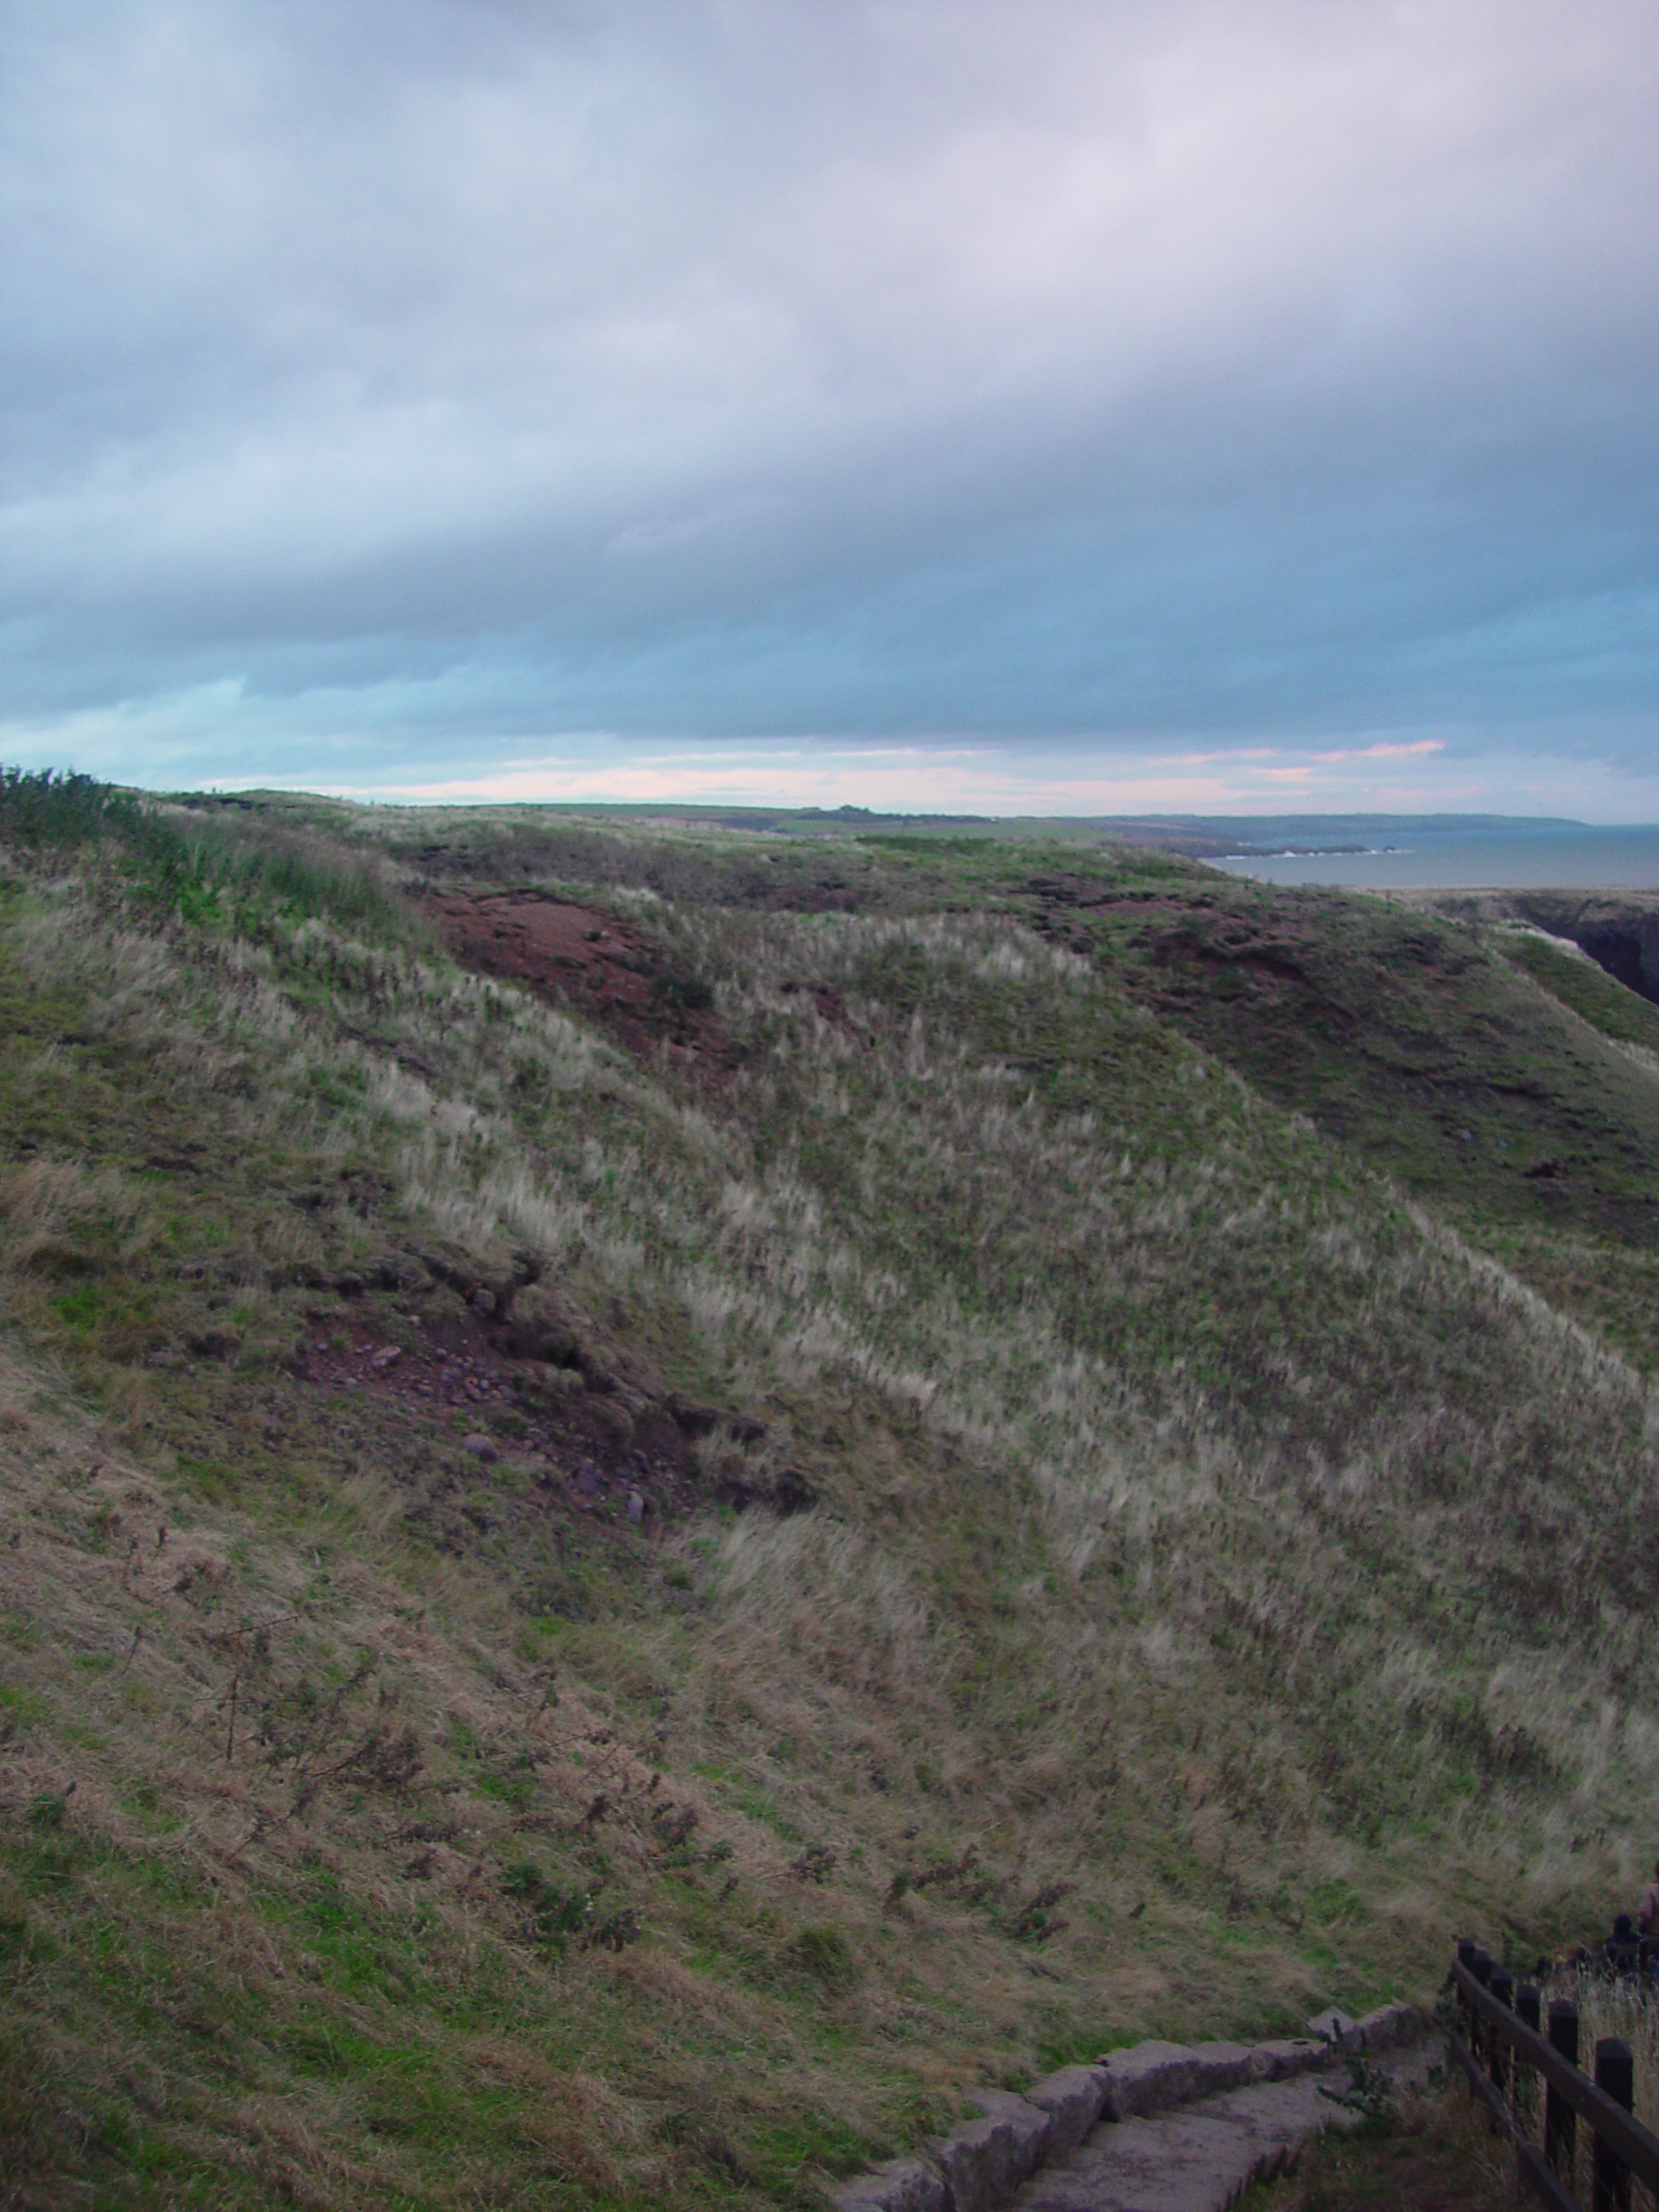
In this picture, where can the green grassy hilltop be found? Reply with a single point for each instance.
(672, 1491)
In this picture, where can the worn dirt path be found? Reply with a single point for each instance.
(1198, 2158)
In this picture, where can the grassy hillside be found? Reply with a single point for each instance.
(1577, 982)
(669, 1493)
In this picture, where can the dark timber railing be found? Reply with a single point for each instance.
(1510, 2048)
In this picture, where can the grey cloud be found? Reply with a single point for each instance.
(1067, 370)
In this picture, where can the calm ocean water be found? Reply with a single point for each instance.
(1555, 856)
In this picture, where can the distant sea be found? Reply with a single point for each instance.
(1510, 855)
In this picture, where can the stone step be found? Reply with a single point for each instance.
(980, 2165)
(1199, 2157)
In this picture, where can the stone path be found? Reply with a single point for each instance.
(1198, 2158)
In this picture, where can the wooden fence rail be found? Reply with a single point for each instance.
(1505, 2047)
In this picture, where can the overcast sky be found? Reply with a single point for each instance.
(1030, 406)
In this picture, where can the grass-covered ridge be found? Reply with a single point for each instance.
(1110, 1558)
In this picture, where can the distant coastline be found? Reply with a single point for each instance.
(1492, 855)
(1378, 851)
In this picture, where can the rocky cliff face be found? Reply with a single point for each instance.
(1629, 951)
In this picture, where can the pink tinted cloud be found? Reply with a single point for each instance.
(1385, 751)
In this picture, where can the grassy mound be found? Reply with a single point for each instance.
(878, 1476)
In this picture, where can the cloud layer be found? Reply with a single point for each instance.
(399, 392)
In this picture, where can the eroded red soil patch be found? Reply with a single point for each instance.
(573, 1443)
(587, 962)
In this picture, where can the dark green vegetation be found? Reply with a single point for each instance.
(873, 1463)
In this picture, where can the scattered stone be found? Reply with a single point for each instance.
(636, 1507)
(481, 1448)
(383, 1360)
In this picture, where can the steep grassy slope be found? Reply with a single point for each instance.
(1411, 1030)
(1577, 982)
(859, 1513)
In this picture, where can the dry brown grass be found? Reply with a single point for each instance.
(1438, 2152)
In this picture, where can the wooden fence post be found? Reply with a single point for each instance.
(1527, 2003)
(1616, 2073)
(1466, 1959)
(1479, 2042)
(1498, 2058)
(1560, 2122)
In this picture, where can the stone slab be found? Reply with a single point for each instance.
(1384, 2028)
(1224, 2066)
(984, 2163)
(907, 2185)
(1148, 2077)
(1074, 2100)
(1387, 2026)
(1151, 2077)
(1279, 2061)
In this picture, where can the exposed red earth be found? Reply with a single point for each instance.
(578, 957)
(572, 1444)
